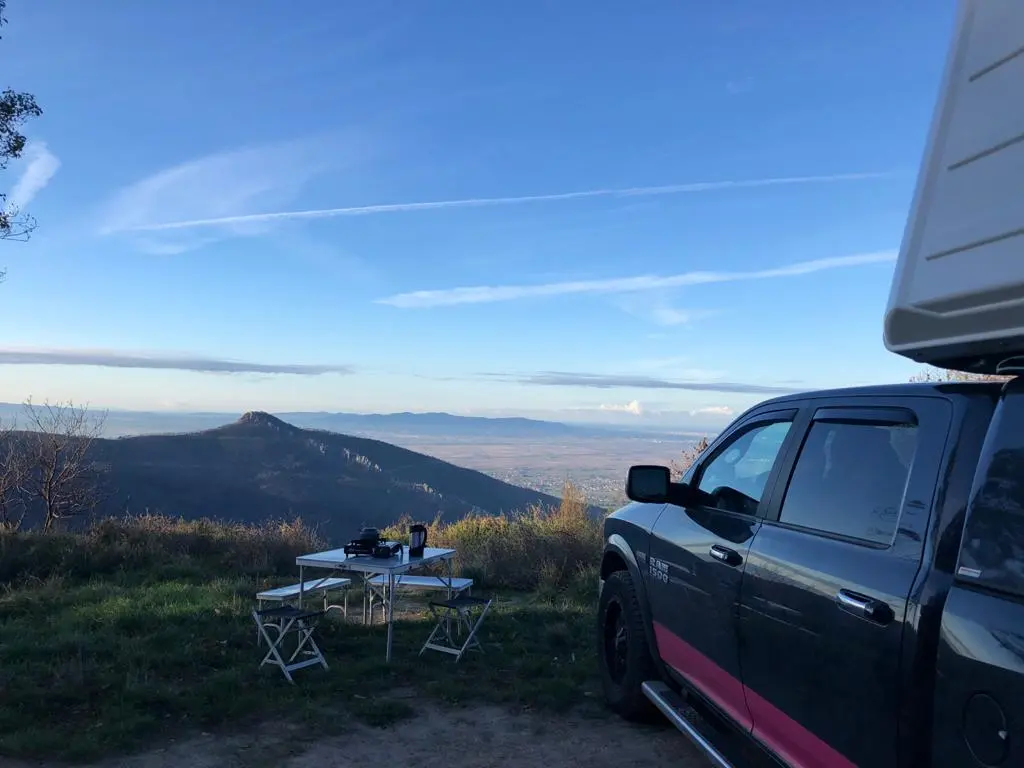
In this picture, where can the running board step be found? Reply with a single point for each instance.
(672, 706)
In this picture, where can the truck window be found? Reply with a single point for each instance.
(743, 464)
(850, 479)
(992, 552)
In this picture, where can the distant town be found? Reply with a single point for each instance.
(602, 490)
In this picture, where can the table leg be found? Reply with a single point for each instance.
(259, 639)
(366, 595)
(302, 581)
(390, 607)
(450, 567)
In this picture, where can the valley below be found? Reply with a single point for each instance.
(339, 471)
(595, 464)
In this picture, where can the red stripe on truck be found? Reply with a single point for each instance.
(789, 740)
(713, 681)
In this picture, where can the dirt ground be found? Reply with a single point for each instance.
(476, 737)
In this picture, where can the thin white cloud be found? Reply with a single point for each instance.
(487, 294)
(219, 186)
(671, 316)
(632, 381)
(659, 309)
(674, 365)
(713, 410)
(633, 407)
(41, 166)
(156, 361)
(659, 363)
(172, 222)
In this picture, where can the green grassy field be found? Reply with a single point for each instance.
(139, 630)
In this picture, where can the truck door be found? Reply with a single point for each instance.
(979, 691)
(824, 595)
(697, 554)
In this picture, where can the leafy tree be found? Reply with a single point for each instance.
(15, 109)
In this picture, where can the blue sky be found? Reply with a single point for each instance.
(654, 211)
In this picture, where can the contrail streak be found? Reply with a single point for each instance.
(480, 202)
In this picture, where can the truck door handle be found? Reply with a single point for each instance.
(726, 555)
(869, 608)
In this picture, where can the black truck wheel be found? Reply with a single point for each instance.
(622, 651)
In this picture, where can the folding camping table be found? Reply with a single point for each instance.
(336, 559)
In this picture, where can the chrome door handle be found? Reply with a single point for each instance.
(854, 603)
(875, 610)
(725, 555)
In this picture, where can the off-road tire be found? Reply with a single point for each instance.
(622, 676)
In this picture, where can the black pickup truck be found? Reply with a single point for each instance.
(838, 580)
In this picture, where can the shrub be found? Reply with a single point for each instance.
(541, 548)
(158, 545)
(548, 549)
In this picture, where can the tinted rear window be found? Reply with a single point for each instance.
(993, 544)
(850, 479)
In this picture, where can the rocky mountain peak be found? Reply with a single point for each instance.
(264, 419)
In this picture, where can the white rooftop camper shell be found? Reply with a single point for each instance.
(957, 297)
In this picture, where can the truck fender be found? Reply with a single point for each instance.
(616, 550)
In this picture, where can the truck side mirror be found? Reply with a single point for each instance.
(652, 484)
(648, 483)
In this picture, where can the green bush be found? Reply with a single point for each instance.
(162, 546)
(545, 549)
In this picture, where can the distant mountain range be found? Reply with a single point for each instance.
(436, 424)
(261, 467)
(122, 422)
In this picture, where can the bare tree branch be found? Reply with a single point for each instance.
(61, 477)
(14, 225)
(688, 457)
(13, 501)
(16, 109)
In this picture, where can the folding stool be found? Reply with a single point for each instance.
(288, 595)
(289, 620)
(467, 613)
